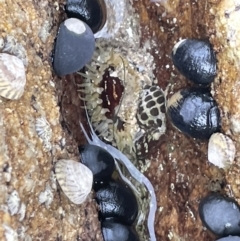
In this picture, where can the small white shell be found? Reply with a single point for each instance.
(13, 202)
(75, 179)
(221, 150)
(12, 77)
(44, 131)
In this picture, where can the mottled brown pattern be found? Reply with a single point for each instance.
(24, 166)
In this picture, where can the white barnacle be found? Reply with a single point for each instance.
(10, 45)
(13, 202)
(75, 179)
(9, 233)
(12, 77)
(46, 196)
(221, 150)
(135, 173)
(22, 212)
(44, 131)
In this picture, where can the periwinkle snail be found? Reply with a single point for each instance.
(98, 160)
(194, 112)
(229, 238)
(116, 200)
(113, 231)
(195, 59)
(220, 214)
(92, 12)
(74, 47)
(104, 17)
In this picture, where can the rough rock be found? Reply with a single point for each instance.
(178, 166)
(32, 206)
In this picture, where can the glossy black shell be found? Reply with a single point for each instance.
(220, 214)
(98, 160)
(74, 47)
(92, 12)
(194, 112)
(229, 238)
(117, 201)
(113, 231)
(196, 60)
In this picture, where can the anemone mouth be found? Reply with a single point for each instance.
(111, 89)
(112, 93)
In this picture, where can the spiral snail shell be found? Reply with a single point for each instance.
(195, 59)
(194, 112)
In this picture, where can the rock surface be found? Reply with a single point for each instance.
(32, 206)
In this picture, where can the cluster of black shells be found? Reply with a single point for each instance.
(117, 203)
(194, 111)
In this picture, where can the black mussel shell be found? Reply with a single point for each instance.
(220, 214)
(196, 60)
(117, 201)
(98, 160)
(113, 231)
(194, 112)
(92, 12)
(229, 238)
(74, 47)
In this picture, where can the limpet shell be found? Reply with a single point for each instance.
(75, 179)
(221, 150)
(12, 77)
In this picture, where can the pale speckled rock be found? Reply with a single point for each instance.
(24, 165)
(226, 88)
(227, 43)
